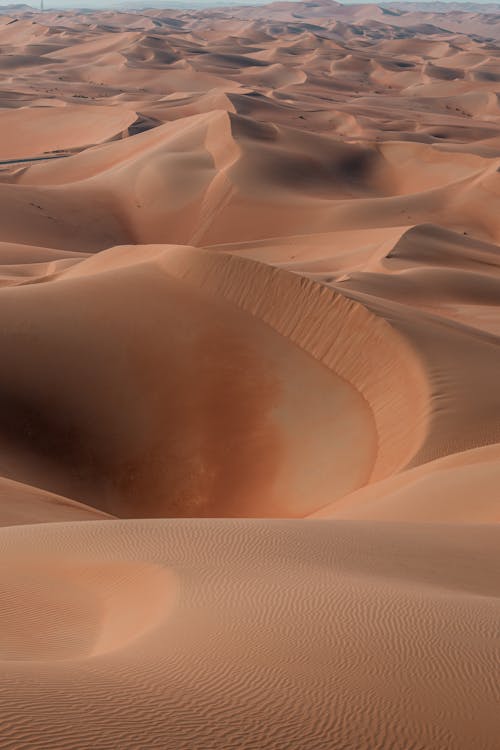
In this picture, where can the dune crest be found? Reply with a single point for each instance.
(250, 354)
(361, 349)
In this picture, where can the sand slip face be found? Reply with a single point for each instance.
(252, 394)
(249, 403)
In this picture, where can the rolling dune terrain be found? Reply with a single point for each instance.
(249, 383)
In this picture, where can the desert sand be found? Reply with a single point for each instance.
(249, 378)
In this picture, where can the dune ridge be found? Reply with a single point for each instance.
(339, 334)
(249, 403)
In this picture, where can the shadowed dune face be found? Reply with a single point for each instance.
(184, 401)
(249, 367)
(205, 179)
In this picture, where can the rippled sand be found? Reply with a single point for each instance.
(250, 415)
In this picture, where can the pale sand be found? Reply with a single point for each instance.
(251, 307)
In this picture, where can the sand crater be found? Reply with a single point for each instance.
(54, 611)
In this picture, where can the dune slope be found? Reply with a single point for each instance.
(214, 631)
(250, 354)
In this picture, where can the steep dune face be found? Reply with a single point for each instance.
(222, 387)
(249, 403)
(362, 350)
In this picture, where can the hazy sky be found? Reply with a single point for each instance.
(182, 3)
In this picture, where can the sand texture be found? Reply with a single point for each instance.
(249, 378)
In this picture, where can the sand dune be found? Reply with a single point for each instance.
(24, 504)
(250, 415)
(239, 626)
(58, 129)
(71, 437)
(461, 488)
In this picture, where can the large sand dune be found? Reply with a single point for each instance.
(250, 414)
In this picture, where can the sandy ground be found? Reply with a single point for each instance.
(250, 414)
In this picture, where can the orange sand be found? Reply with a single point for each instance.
(250, 337)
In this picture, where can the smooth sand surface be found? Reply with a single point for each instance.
(50, 130)
(249, 378)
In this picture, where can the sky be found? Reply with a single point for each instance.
(184, 3)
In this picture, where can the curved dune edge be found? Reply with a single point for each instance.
(355, 344)
(341, 334)
(459, 488)
(67, 609)
(300, 420)
(24, 504)
(174, 403)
